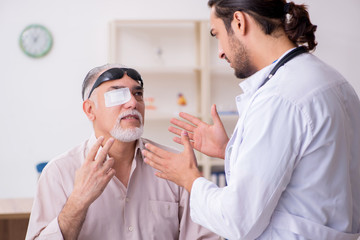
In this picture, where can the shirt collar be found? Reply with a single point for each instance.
(138, 149)
(249, 86)
(252, 83)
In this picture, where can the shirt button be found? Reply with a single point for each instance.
(127, 199)
(131, 228)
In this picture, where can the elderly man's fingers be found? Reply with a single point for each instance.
(108, 164)
(94, 149)
(110, 174)
(104, 151)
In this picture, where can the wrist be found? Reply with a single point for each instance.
(77, 203)
(222, 156)
(191, 179)
(71, 218)
(73, 211)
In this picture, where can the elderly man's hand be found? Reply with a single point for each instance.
(180, 168)
(90, 181)
(94, 175)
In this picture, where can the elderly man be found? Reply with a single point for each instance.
(102, 189)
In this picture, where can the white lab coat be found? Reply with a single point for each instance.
(293, 162)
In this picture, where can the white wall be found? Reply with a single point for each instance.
(40, 98)
(338, 35)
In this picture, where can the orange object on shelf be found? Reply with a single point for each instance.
(181, 100)
(149, 103)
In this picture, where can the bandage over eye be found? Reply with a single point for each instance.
(117, 97)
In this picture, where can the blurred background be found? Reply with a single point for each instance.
(40, 99)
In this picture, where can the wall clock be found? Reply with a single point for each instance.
(35, 40)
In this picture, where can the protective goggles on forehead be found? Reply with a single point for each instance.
(116, 73)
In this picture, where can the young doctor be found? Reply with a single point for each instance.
(293, 162)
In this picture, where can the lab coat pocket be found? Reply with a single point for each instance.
(164, 222)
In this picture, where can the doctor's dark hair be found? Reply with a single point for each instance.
(271, 15)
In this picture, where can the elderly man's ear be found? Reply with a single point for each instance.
(88, 107)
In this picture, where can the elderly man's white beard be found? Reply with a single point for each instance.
(128, 134)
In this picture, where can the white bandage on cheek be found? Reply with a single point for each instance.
(117, 97)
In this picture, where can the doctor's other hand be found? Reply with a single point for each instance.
(180, 168)
(208, 139)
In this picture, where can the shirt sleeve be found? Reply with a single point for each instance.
(274, 132)
(43, 223)
(189, 229)
(50, 232)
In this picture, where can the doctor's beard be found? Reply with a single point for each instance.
(242, 64)
(127, 134)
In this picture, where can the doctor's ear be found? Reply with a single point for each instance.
(88, 108)
(238, 23)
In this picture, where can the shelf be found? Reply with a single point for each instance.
(151, 43)
(217, 162)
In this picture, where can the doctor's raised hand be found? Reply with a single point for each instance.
(180, 168)
(208, 139)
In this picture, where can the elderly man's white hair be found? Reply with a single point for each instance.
(91, 78)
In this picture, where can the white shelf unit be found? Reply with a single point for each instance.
(176, 56)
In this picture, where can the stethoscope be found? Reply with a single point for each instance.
(293, 53)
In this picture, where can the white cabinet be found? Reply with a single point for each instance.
(176, 58)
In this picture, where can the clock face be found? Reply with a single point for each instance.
(35, 41)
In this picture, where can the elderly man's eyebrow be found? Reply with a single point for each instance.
(138, 88)
(116, 87)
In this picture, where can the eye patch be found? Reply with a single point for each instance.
(117, 97)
